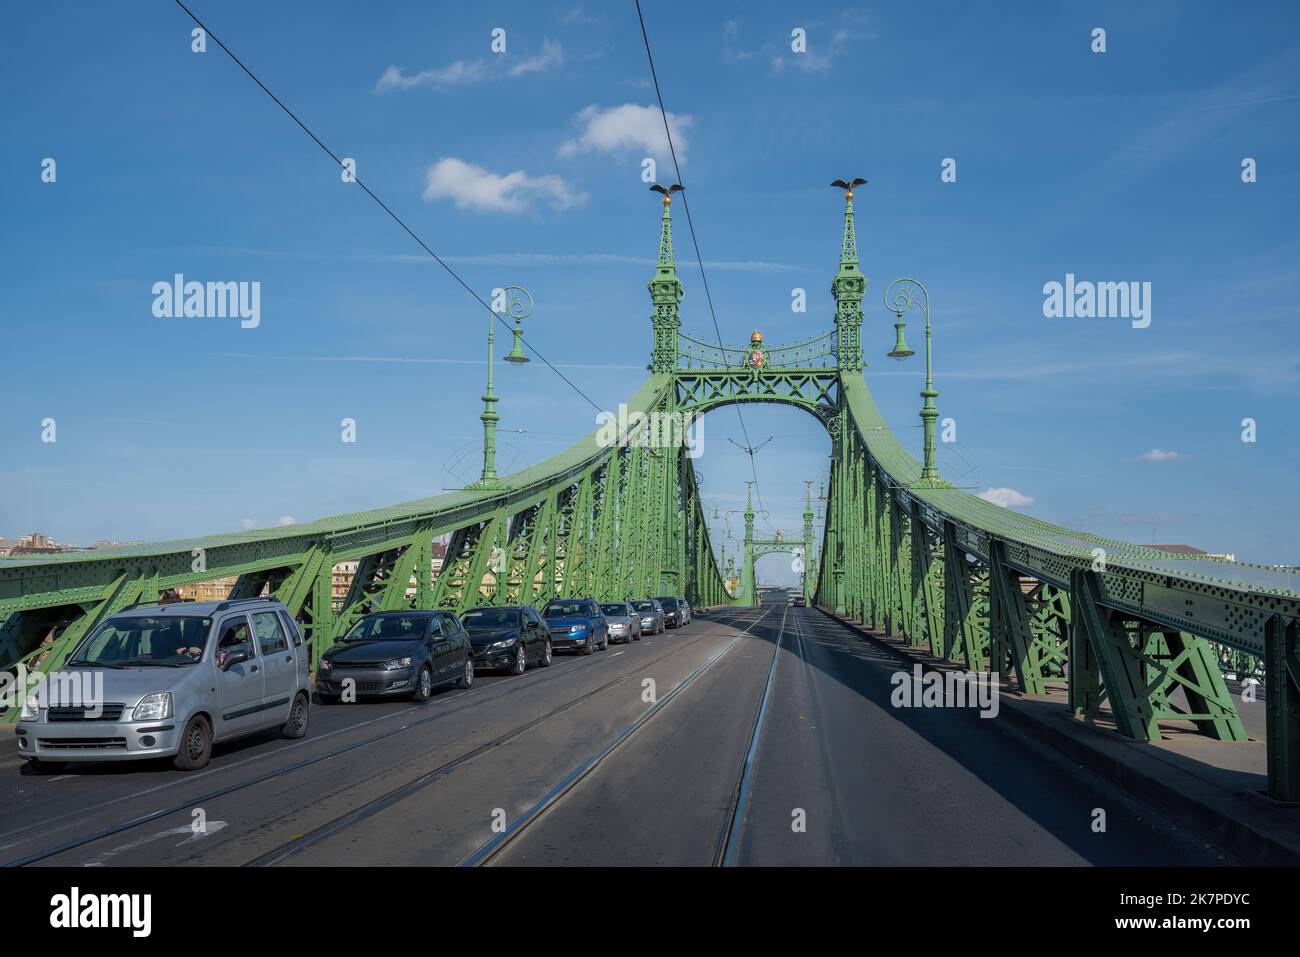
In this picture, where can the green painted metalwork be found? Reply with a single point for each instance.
(1125, 626)
(1282, 639)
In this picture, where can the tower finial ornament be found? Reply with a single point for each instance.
(848, 185)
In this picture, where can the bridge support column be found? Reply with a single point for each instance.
(960, 627)
(1009, 633)
(1282, 692)
(927, 611)
(1141, 665)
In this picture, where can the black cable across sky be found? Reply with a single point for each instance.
(382, 205)
(686, 203)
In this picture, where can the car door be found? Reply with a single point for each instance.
(458, 648)
(279, 669)
(241, 687)
(442, 652)
(534, 634)
(600, 625)
(299, 650)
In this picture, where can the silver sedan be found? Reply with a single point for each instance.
(624, 622)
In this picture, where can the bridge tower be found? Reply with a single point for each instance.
(748, 593)
(671, 481)
(809, 575)
(848, 287)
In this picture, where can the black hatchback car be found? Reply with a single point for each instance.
(508, 638)
(396, 653)
(674, 614)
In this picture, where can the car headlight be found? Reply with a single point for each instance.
(324, 664)
(153, 707)
(503, 643)
(396, 663)
(577, 628)
(31, 708)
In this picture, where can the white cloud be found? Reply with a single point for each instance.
(459, 73)
(820, 55)
(247, 523)
(1006, 497)
(473, 187)
(552, 55)
(628, 128)
(1158, 455)
(466, 72)
(288, 520)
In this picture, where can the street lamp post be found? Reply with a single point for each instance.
(519, 305)
(900, 296)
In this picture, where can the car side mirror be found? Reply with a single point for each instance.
(233, 658)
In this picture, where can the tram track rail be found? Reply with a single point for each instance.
(487, 852)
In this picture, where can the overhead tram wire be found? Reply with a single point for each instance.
(686, 204)
(384, 206)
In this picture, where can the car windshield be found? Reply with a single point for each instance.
(643, 606)
(388, 628)
(132, 641)
(566, 609)
(618, 611)
(491, 618)
(669, 603)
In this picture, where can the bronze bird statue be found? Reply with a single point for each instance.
(847, 186)
(667, 191)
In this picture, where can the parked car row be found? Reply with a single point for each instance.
(171, 680)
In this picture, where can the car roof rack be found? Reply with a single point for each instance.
(239, 601)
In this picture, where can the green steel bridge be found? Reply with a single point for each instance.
(900, 549)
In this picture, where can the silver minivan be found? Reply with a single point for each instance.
(170, 680)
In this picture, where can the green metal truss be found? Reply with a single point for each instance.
(1142, 631)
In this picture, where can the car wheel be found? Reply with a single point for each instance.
(604, 644)
(423, 685)
(299, 717)
(196, 745)
(546, 655)
(637, 636)
(41, 766)
(590, 647)
(521, 661)
(466, 678)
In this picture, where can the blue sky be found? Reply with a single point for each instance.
(525, 168)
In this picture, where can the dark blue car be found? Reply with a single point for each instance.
(576, 624)
(507, 638)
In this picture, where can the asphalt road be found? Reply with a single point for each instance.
(751, 737)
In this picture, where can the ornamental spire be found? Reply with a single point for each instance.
(849, 251)
(667, 263)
